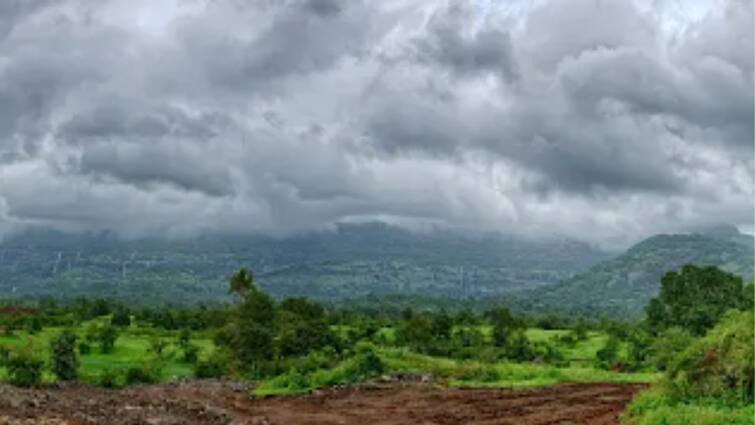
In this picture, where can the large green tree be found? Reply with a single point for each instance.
(695, 298)
(251, 329)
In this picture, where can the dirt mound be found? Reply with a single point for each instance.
(224, 402)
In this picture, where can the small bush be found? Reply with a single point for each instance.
(190, 353)
(479, 373)
(108, 379)
(213, 367)
(24, 369)
(606, 357)
(33, 325)
(140, 375)
(365, 365)
(84, 348)
(121, 318)
(4, 355)
(64, 361)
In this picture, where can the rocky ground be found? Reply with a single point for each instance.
(387, 403)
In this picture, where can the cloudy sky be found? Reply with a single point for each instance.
(605, 120)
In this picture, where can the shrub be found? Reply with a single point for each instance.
(157, 345)
(141, 375)
(479, 373)
(33, 325)
(121, 318)
(64, 360)
(190, 353)
(606, 356)
(104, 335)
(214, 367)
(4, 355)
(721, 364)
(84, 348)
(668, 345)
(108, 379)
(24, 369)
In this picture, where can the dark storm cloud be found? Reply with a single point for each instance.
(611, 119)
(486, 50)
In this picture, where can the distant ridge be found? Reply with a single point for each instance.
(354, 260)
(622, 286)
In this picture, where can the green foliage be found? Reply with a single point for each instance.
(33, 324)
(518, 346)
(654, 407)
(241, 282)
(63, 358)
(108, 379)
(84, 348)
(24, 369)
(416, 332)
(503, 325)
(668, 345)
(121, 318)
(214, 367)
(721, 364)
(157, 345)
(302, 328)
(250, 333)
(141, 375)
(695, 298)
(105, 336)
(606, 357)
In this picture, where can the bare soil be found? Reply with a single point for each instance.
(394, 403)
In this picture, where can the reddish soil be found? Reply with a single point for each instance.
(222, 402)
(16, 311)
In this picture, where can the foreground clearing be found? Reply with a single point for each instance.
(223, 402)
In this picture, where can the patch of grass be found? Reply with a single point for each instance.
(131, 350)
(654, 407)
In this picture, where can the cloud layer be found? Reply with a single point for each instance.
(602, 119)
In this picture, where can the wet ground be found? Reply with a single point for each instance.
(225, 402)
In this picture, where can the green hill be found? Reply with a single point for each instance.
(622, 286)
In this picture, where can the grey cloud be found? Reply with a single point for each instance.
(487, 50)
(583, 118)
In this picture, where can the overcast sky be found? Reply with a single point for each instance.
(604, 120)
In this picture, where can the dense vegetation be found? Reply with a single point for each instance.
(709, 379)
(697, 333)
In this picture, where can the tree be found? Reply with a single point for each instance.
(416, 332)
(63, 357)
(503, 325)
(24, 369)
(606, 356)
(121, 318)
(241, 282)
(302, 328)
(442, 325)
(251, 328)
(695, 298)
(105, 336)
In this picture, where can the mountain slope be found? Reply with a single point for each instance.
(355, 260)
(622, 286)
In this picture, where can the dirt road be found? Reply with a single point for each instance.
(222, 402)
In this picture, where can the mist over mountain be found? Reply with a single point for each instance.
(354, 260)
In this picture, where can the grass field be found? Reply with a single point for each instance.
(131, 350)
(455, 373)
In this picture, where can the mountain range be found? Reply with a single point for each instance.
(364, 260)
